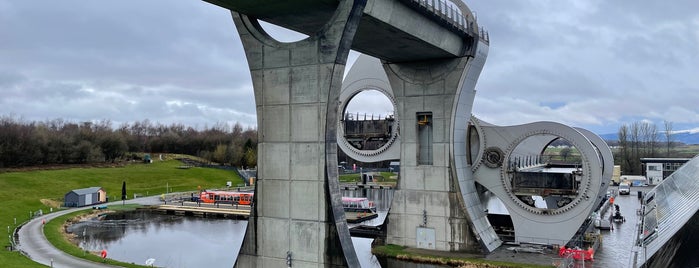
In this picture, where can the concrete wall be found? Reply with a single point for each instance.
(298, 213)
(427, 195)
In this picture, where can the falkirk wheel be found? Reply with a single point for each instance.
(546, 204)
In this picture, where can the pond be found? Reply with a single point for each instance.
(173, 241)
(187, 241)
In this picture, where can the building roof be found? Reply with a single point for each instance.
(84, 191)
(664, 160)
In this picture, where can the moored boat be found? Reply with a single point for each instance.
(358, 204)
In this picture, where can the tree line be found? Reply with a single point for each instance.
(59, 141)
(640, 140)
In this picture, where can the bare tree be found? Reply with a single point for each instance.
(668, 135)
(649, 138)
(624, 160)
(636, 146)
(62, 142)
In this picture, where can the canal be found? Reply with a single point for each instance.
(178, 241)
(617, 244)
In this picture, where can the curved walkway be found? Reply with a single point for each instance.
(33, 242)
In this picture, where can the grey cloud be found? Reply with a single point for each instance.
(588, 63)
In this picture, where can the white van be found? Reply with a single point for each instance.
(624, 188)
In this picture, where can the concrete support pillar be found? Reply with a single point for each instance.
(297, 219)
(428, 210)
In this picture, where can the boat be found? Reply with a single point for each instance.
(358, 204)
(226, 197)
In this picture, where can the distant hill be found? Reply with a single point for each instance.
(683, 136)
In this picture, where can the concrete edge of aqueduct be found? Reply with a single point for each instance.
(449, 159)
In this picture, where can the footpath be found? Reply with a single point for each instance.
(33, 242)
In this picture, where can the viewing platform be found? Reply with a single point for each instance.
(355, 186)
(357, 217)
(206, 210)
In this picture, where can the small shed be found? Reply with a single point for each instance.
(85, 197)
(394, 166)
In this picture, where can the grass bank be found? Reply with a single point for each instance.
(388, 178)
(22, 192)
(403, 253)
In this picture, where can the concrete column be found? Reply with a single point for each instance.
(298, 215)
(428, 210)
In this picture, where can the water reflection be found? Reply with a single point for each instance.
(173, 241)
(616, 249)
(179, 241)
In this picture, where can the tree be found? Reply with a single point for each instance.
(637, 141)
(113, 146)
(668, 136)
(61, 142)
(223, 154)
(624, 148)
(250, 158)
(565, 152)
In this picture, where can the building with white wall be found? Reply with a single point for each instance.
(657, 169)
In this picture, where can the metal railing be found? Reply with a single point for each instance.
(447, 14)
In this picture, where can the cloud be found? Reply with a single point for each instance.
(602, 62)
(123, 60)
(595, 64)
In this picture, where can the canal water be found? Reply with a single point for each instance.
(617, 244)
(173, 241)
(179, 241)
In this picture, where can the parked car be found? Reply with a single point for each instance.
(624, 188)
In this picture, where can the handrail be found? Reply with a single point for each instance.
(451, 16)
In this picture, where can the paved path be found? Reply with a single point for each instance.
(33, 243)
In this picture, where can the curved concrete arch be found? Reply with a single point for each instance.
(461, 147)
(555, 225)
(298, 201)
(258, 32)
(367, 74)
(606, 158)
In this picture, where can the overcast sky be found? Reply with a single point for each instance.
(595, 64)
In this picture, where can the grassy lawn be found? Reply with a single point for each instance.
(383, 178)
(23, 192)
(402, 253)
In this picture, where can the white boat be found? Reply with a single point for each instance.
(358, 204)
